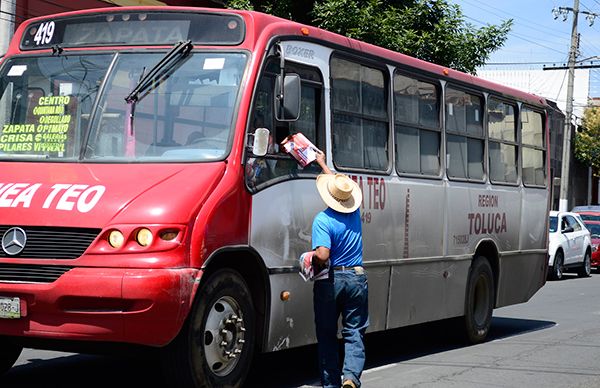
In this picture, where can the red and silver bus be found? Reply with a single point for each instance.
(138, 206)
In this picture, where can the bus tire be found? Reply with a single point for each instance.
(479, 300)
(216, 345)
(9, 353)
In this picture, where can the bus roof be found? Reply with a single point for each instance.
(265, 26)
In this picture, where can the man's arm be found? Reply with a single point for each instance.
(321, 253)
(321, 162)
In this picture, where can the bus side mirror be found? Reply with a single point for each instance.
(287, 98)
(260, 144)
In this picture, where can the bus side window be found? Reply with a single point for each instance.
(465, 139)
(417, 126)
(533, 150)
(502, 128)
(360, 117)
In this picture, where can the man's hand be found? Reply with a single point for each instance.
(321, 255)
(322, 162)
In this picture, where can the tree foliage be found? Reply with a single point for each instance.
(587, 140)
(433, 30)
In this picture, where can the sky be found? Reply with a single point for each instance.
(536, 38)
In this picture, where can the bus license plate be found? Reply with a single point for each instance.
(10, 308)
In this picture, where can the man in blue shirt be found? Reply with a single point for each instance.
(337, 237)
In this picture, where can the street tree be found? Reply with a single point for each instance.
(587, 139)
(432, 30)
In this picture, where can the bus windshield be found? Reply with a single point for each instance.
(72, 107)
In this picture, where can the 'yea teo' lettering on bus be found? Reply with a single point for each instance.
(62, 196)
(374, 195)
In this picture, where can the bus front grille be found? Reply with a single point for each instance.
(31, 273)
(49, 242)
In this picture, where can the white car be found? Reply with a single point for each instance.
(570, 246)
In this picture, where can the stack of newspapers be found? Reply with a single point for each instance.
(311, 271)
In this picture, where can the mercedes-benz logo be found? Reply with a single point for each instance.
(13, 241)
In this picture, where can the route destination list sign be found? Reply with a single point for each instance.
(48, 134)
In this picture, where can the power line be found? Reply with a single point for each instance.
(520, 37)
(482, 5)
(520, 63)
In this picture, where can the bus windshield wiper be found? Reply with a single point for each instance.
(179, 51)
(168, 62)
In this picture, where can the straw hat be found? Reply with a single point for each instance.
(339, 192)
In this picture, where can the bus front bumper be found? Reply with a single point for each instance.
(139, 306)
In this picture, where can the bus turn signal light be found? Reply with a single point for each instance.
(168, 235)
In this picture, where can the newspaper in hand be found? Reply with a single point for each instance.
(302, 149)
(310, 271)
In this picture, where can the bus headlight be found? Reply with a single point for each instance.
(116, 239)
(144, 237)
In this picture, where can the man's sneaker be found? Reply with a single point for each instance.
(348, 384)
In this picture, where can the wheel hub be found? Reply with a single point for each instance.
(224, 335)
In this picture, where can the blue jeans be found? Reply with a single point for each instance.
(345, 293)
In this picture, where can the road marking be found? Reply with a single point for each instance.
(377, 369)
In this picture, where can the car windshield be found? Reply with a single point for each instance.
(72, 107)
(594, 229)
(553, 224)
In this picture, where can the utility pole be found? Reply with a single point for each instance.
(566, 157)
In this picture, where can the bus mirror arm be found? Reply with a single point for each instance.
(287, 91)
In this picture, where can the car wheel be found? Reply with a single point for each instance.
(479, 300)
(586, 267)
(9, 353)
(557, 268)
(216, 346)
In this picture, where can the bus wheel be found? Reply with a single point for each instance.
(479, 300)
(9, 353)
(216, 345)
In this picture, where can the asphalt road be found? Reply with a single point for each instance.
(551, 341)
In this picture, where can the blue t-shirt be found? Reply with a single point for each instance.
(342, 234)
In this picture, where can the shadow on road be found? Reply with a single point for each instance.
(288, 368)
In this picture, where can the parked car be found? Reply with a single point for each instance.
(593, 208)
(570, 245)
(594, 228)
(588, 213)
